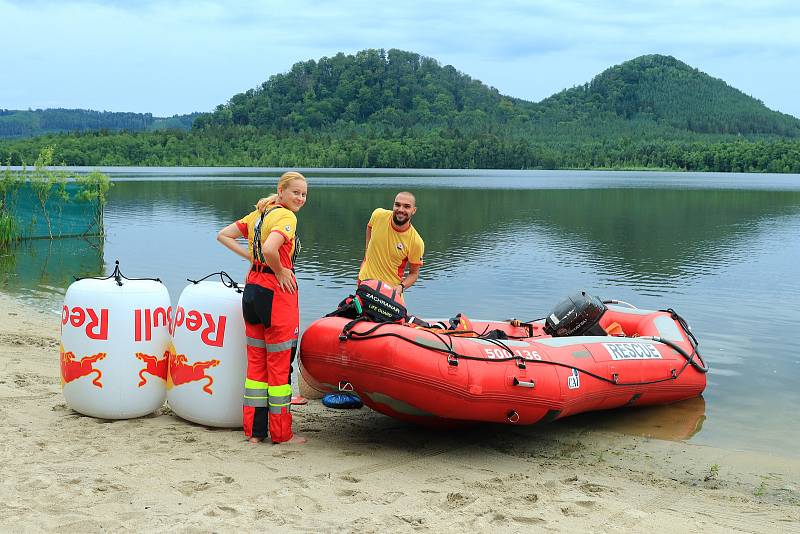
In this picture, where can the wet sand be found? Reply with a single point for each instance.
(360, 471)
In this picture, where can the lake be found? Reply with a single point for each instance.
(718, 248)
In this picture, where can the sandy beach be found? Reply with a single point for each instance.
(359, 472)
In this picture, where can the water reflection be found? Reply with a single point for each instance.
(646, 237)
(40, 268)
(676, 422)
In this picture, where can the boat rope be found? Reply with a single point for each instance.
(453, 356)
(702, 367)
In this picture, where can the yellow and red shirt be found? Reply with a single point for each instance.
(281, 220)
(390, 250)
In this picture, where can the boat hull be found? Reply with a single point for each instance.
(431, 378)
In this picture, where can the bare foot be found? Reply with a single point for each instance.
(255, 440)
(296, 440)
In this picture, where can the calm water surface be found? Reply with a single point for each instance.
(720, 249)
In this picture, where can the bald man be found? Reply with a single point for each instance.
(393, 245)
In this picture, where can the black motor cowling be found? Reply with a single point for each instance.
(577, 315)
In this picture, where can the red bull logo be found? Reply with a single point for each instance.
(77, 316)
(73, 368)
(213, 329)
(158, 367)
(181, 373)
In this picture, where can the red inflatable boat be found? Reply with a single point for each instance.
(581, 359)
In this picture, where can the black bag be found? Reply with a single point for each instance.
(379, 302)
(373, 301)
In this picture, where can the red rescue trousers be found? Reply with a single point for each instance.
(272, 321)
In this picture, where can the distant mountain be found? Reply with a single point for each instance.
(651, 96)
(669, 92)
(15, 123)
(396, 89)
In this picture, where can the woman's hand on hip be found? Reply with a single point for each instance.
(286, 280)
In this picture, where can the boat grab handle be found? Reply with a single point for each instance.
(628, 304)
(518, 382)
(345, 386)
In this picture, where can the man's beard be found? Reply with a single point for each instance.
(398, 223)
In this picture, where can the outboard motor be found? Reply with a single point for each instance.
(578, 315)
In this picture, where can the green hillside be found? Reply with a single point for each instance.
(393, 89)
(399, 109)
(669, 92)
(16, 123)
(398, 89)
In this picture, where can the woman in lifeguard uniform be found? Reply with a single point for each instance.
(270, 308)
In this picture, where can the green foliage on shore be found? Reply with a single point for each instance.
(402, 110)
(436, 149)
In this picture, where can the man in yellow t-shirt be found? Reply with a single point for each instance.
(393, 244)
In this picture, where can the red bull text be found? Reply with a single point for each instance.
(96, 327)
(213, 333)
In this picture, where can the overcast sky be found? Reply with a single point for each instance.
(183, 56)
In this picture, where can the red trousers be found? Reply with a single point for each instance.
(272, 321)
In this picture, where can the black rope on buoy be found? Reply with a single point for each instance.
(116, 275)
(224, 277)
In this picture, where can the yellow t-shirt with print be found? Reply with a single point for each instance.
(389, 251)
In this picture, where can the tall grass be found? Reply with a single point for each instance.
(8, 230)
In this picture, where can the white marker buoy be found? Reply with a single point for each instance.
(207, 370)
(115, 346)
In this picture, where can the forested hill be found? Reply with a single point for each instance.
(398, 89)
(16, 123)
(670, 92)
(394, 88)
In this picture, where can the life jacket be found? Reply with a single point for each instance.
(379, 302)
(258, 254)
(374, 301)
(458, 326)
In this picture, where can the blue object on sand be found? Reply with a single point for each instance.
(342, 400)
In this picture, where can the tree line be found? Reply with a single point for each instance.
(436, 149)
(29, 123)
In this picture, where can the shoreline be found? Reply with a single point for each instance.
(259, 171)
(359, 471)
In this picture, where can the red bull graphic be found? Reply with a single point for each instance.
(181, 373)
(158, 367)
(72, 368)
